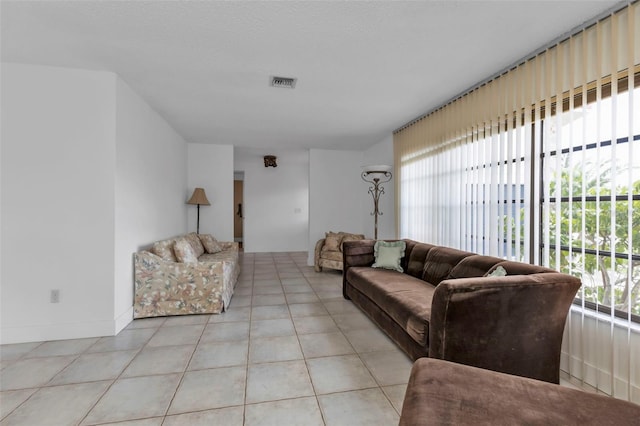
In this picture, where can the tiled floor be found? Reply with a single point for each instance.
(289, 351)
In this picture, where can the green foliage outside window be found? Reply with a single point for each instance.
(607, 279)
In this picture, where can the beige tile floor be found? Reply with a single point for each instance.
(289, 351)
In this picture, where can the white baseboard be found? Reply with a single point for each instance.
(46, 332)
(123, 320)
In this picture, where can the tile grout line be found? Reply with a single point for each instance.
(116, 379)
(246, 374)
(289, 269)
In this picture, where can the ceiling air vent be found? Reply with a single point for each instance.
(286, 82)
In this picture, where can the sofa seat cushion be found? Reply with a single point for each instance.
(406, 299)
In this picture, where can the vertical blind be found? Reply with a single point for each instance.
(542, 164)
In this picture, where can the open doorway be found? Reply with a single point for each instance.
(238, 213)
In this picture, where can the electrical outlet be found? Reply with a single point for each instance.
(55, 296)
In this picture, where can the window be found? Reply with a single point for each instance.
(591, 200)
(542, 164)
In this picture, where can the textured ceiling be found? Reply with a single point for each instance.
(363, 68)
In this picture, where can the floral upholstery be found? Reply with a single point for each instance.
(195, 242)
(184, 251)
(164, 287)
(210, 244)
(328, 252)
(164, 249)
(332, 241)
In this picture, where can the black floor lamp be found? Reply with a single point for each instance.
(376, 175)
(199, 198)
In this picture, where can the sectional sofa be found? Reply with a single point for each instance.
(445, 305)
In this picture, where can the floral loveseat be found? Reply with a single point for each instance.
(328, 252)
(189, 274)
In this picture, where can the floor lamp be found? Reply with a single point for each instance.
(199, 198)
(376, 175)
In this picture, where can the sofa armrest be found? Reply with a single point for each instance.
(512, 324)
(226, 245)
(358, 253)
(355, 253)
(173, 288)
(316, 255)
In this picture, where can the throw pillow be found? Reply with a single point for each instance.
(498, 272)
(332, 241)
(211, 245)
(388, 254)
(164, 249)
(184, 252)
(196, 245)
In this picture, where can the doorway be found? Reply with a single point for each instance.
(238, 213)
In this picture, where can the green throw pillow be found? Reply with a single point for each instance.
(498, 272)
(388, 254)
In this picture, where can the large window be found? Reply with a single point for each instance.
(591, 200)
(542, 164)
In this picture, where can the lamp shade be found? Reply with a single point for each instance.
(377, 168)
(199, 198)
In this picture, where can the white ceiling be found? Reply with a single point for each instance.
(364, 68)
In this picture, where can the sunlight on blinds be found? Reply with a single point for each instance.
(542, 164)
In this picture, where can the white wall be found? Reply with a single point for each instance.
(90, 174)
(276, 200)
(335, 194)
(150, 188)
(381, 153)
(58, 162)
(211, 167)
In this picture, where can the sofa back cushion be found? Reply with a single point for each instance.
(415, 263)
(332, 241)
(519, 268)
(164, 249)
(439, 263)
(473, 266)
(196, 244)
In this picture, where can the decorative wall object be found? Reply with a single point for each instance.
(270, 161)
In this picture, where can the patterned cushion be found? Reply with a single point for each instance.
(184, 251)
(197, 246)
(210, 244)
(332, 241)
(164, 249)
(332, 255)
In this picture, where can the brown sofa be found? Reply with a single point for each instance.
(328, 251)
(443, 306)
(445, 393)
